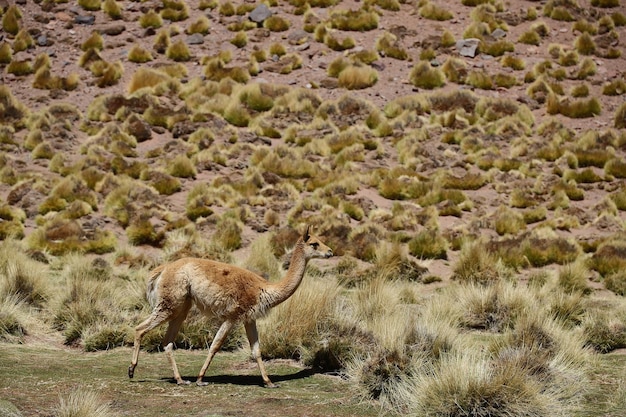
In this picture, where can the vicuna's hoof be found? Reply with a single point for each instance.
(183, 382)
(272, 385)
(201, 383)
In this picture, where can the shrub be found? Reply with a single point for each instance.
(620, 117)
(584, 44)
(423, 75)
(357, 77)
(572, 278)
(139, 55)
(151, 19)
(228, 233)
(276, 23)
(354, 20)
(178, 51)
(616, 282)
(604, 332)
(476, 265)
(428, 244)
(433, 12)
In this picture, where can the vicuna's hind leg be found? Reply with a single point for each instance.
(253, 338)
(168, 341)
(218, 340)
(156, 318)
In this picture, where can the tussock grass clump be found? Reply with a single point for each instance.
(6, 53)
(423, 75)
(20, 68)
(60, 236)
(83, 403)
(13, 325)
(199, 202)
(609, 258)
(354, 20)
(178, 51)
(605, 3)
(139, 54)
(620, 117)
(174, 10)
(216, 70)
(604, 332)
(228, 232)
(90, 5)
(616, 282)
(497, 48)
(336, 45)
(202, 25)
(480, 79)
(530, 37)
(23, 279)
(509, 221)
(477, 265)
(295, 322)
(240, 39)
(22, 41)
(95, 41)
(11, 19)
(357, 77)
(575, 109)
(147, 78)
(572, 278)
(388, 45)
(112, 8)
(585, 44)
(513, 62)
(429, 244)
(151, 19)
(45, 80)
(276, 23)
(433, 12)
(614, 88)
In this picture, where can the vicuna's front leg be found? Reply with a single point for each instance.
(217, 343)
(253, 338)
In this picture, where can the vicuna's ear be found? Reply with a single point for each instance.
(306, 234)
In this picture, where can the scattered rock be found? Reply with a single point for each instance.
(498, 33)
(468, 47)
(84, 20)
(138, 127)
(195, 39)
(112, 30)
(260, 14)
(43, 40)
(298, 37)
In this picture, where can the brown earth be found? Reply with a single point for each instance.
(64, 37)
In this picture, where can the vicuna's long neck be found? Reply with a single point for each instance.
(285, 288)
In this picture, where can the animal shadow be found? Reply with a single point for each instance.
(246, 380)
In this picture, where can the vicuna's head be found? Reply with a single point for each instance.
(314, 247)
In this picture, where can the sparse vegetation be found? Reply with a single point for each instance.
(478, 227)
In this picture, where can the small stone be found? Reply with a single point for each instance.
(195, 39)
(468, 47)
(112, 30)
(43, 41)
(260, 14)
(498, 33)
(298, 37)
(85, 20)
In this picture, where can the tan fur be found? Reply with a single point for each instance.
(220, 290)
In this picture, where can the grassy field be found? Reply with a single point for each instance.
(35, 378)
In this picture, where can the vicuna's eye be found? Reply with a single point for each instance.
(315, 245)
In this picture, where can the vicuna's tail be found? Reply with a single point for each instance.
(153, 281)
